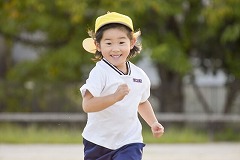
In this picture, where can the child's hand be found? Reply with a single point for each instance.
(157, 129)
(121, 92)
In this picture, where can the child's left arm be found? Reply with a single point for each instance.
(146, 111)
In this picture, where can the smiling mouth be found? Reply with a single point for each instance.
(116, 56)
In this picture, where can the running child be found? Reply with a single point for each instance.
(115, 92)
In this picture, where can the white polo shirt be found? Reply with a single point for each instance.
(118, 124)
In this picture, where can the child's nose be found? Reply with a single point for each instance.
(115, 48)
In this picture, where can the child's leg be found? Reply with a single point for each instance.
(129, 152)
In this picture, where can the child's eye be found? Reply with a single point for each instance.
(122, 42)
(108, 44)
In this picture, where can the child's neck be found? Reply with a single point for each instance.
(124, 69)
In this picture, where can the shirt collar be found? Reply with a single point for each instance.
(118, 70)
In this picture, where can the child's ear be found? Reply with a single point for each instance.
(97, 46)
(133, 42)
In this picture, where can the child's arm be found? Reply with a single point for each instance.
(147, 113)
(95, 104)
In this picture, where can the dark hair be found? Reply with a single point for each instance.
(99, 34)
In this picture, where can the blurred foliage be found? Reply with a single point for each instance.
(174, 31)
(40, 97)
(221, 36)
(62, 24)
(171, 55)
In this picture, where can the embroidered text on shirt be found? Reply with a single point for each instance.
(137, 80)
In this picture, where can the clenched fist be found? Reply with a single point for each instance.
(121, 92)
(157, 129)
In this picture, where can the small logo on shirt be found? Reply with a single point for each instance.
(137, 80)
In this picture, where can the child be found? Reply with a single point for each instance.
(115, 92)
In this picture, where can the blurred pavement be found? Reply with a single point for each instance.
(205, 151)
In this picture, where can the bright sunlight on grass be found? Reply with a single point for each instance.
(174, 135)
(35, 134)
(12, 133)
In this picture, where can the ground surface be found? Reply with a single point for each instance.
(208, 151)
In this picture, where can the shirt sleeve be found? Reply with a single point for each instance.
(95, 83)
(146, 92)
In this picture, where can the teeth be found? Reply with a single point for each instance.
(115, 56)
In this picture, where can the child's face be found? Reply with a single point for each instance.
(115, 46)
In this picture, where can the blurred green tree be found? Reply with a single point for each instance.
(220, 44)
(174, 31)
(63, 24)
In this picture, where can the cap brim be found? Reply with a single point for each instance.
(89, 45)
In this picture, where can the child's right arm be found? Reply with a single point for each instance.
(95, 104)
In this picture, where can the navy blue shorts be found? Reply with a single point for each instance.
(131, 151)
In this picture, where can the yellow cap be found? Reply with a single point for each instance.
(113, 17)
